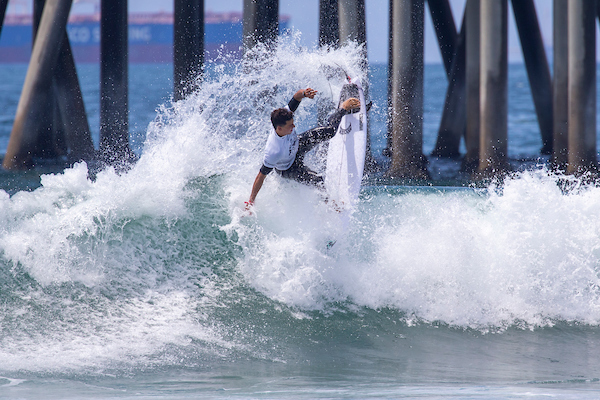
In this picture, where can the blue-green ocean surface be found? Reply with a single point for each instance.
(154, 284)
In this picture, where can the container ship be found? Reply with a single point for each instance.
(150, 37)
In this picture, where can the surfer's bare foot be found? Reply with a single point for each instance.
(248, 205)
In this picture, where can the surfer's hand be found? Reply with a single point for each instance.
(302, 93)
(351, 103)
(310, 93)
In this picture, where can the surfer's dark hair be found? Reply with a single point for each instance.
(280, 117)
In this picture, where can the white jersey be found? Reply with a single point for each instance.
(280, 152)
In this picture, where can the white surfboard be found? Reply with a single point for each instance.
(346, 153)
(346, 160)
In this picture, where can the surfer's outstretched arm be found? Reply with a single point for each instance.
(258, 182)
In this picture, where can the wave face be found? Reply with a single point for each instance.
(158, 266)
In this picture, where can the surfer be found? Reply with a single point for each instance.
(285, 150)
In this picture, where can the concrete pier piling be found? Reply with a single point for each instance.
(188, 46)
(472, 73)
(49, 138)
(405, 97)
(352, 22)
(329, 27)
(352, 28)
(560, 86)
(582, 86)
(261, 22)
(114, 112)
(38, 85)
(493, 82)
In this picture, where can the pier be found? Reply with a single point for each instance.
(51, 120)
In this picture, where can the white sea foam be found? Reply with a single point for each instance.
(129, 331)
(526, 255)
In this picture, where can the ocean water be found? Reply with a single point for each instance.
(154, 284)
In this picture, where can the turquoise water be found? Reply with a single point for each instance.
(154, 283)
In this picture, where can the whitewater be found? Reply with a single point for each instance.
(154, 283)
